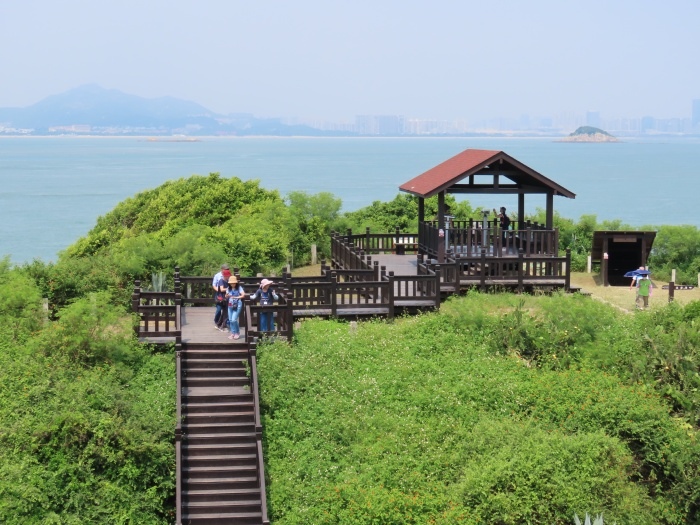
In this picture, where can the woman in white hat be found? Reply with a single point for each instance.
(234, 296)
(266, 295)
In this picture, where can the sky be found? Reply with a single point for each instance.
(335, 59)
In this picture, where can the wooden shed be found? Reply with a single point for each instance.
(618, 252)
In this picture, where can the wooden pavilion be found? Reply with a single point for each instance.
(475, 172)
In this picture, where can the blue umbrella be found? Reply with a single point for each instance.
(637, 273)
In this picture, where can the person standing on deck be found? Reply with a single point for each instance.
(504, 222)
(220, 284)
(234, 298)
(266, 320)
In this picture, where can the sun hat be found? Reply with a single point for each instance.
(233, 280)
(265, 283)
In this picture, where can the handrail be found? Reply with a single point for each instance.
(178, 430)
(160, 311)
(252, 362)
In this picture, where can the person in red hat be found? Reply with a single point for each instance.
(220, 285)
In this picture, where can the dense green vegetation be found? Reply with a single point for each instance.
(86, 413)
(497, 409)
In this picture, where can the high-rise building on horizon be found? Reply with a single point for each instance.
(695, 119)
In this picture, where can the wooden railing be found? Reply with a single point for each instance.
(178, 430)
(533, 240)
(281, 312)
(519, 272)
(253, 365)
(159, 312)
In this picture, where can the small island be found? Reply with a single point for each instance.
(589, 134)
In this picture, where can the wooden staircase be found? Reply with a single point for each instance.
(220, 465)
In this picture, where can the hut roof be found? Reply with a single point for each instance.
(470, 162)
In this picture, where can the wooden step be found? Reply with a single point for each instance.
(189, 450)
(216, 362)
(195, 382)
(220, 438)
(249, 506)
(231, 371)
(221, 460)
(240, 416)
(232, 427)
(221, 483)
(209, 472)
(220, 495)
(220, 405)
(223, 518)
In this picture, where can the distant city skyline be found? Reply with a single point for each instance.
(384, 124)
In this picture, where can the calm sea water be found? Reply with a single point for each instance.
(52, 190)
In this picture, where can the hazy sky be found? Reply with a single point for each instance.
(337, 59)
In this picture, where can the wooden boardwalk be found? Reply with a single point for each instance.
(198, 327)
(399, 264)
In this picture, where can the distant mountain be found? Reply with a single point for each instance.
(91, 109)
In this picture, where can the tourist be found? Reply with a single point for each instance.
(220, 284)
(266, 320)
(234, 297)
(633, 284)
(504, 223)
(503, 219)
(644, 288)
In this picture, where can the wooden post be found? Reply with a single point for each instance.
(521, 261)
(135, 297)
(671, 291)
(334, 301)
(390, 299)
(313, 254)
(438, 297)
(589, 264)
(673, 275)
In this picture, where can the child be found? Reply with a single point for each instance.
(266, 295)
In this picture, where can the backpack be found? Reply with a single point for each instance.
(266, 298)
(505, 222)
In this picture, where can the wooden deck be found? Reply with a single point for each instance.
(198, 326)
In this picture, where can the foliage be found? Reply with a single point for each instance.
(87, 418)
(402, 213)
(448, 418)
(676, 248)
(312, 219)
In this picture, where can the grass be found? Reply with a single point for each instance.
(623, 298)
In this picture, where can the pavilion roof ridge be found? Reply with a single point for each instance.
(480, 162)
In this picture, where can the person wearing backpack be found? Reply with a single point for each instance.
(219, 284)
(266, 295)
(503, 218)
(504, 222)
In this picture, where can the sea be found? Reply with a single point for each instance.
(53, 189)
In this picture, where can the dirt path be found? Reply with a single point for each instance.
(622, 297)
